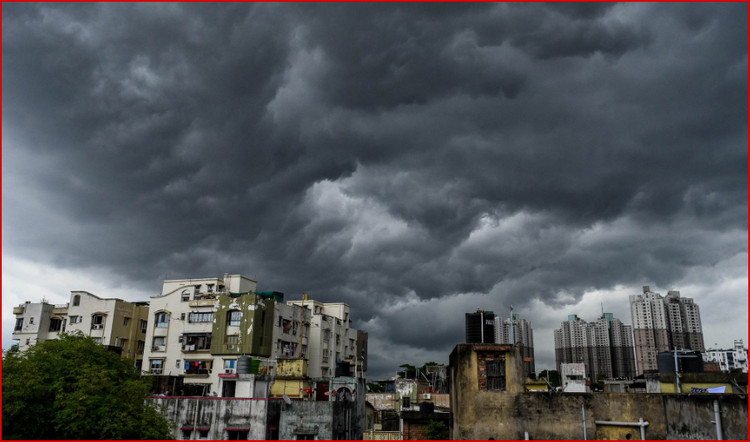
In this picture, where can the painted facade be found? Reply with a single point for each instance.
(112, 322)
(199, 328)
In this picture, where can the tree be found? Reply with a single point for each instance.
(436, 430)
(552, 376)
(375, 388)
(407, 368)
(72, 388)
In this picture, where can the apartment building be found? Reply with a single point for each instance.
(729, 359)
(605, 346)
(112, 322)
(522, 333)
(662, 324)
(200, 328)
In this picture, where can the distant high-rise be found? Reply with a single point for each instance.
(480, 327)
(605, 347)
(522, 333)
(662, 324)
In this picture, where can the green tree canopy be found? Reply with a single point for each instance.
(72, 388)
(436, 430)
(553, 376)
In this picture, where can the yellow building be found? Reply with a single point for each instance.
(291, 379)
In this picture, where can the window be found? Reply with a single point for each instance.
(123, 342)
(234, 317)
(75, 319)
(196, 341)
(198, 367)
(126, 322)
(77, 300)
(141, 347)
(237, 434)
(304, 436)
(209, 288)
(201, 317)
(159, 343)
(157, 366)
(31, 321)
(185, 295)
(161, 319)
(97, 322)
(97, 341)
(229, 364)
(19, 324)
(304, 351)
(495, 374)
(233, 339)
(144, 325)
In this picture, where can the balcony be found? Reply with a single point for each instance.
(204, 302)
(18, 310)
(97, 326)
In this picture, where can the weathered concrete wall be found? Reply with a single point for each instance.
(384, 401)
(692, 416)
(508, 414)
(441, 400)
(559, 416)
(217, 414)
(304, 417)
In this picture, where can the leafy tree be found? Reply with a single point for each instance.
(553, 376)
(406, 367)
(375, 388)
(72, 388)
(436, 430)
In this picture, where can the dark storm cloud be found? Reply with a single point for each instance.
(379, 153)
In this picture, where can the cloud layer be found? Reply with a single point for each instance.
(415, 161)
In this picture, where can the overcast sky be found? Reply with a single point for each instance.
(415, 161)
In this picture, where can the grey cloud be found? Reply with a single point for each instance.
(351, 151)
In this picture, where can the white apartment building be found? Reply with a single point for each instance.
(37, 322)
(198, 329)
(522, 333)
(112, 322)
(729, 359)
(332, 340)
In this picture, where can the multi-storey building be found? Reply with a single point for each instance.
(199, 329)
(480, 327)
(112, 322)
(522, 333)
(605, 346)
(662, 324)
(332, 341)
(729, 359)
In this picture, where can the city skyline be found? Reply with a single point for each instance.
(414, 161)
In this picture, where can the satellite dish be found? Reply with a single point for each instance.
(287, 400)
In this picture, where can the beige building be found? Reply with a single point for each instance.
(112, 322)
(662, 324)
(199, 329)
